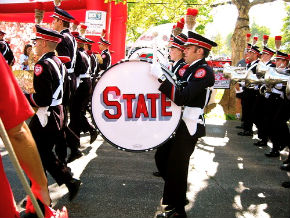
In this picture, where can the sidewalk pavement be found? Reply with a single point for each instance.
(228, 177)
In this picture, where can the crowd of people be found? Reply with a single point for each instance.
(63, 85)
(266, 104)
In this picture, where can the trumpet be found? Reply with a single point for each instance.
(235, 74)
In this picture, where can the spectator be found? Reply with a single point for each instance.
(24, 65)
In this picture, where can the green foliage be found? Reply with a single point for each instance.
(286, 32)
(143, 14)
(259, 31)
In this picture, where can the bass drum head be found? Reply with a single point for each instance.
(130, 111)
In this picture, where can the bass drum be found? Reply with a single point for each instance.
(129, 110)
(147, 53)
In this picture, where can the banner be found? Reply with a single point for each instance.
(96, 22)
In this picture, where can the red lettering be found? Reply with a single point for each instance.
(129, 98)
(153, 98)
(112, 103)
(165, 103)
(141, 107)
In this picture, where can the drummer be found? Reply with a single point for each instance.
(176, 49)
(192, 92)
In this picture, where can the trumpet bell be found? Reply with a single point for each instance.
(274, 77)
(261, 69)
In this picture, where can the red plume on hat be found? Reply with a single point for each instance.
(248, 37)
(39, 12)
(75, 34)
(103, 34)
(255, 39)
(265, 39)
(278, 42)
(83, 29)
(190, 17)
(179, 27)
(75, 25)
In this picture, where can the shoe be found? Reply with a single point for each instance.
(74, 155)
(94, 134)
(273, 154)
(285, 167)
(239, 127)
(261, 143)
(73, 187)
(171, 214)
(286, 184)
(246, 133)
(157, 174)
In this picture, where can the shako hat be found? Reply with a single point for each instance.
(178, 41)
(62, 14)
(199, 40)
(47, 34)
(268, 51)
(282, 55)
(253, 48)
(2, 33)
(104, 41)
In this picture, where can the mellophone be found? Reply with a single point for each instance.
(129, 110)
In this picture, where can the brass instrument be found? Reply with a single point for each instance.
(235, 74)
(253, 79)
(261, 69)
(274, 76)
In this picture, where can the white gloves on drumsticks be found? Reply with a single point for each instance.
(155, 69)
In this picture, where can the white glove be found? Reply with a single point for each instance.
(43, 115)
(155, 70)
(190, 117)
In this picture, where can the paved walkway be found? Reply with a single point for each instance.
(228, 178)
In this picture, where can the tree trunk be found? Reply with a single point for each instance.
(238, 43)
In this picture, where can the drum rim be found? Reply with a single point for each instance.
(148, 60)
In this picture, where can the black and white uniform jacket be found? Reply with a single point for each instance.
(6, 52)
(106, 56)
(192, 92)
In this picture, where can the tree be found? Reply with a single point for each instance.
(286, 32)
(144, 14)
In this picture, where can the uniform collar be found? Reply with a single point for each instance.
(64, 31)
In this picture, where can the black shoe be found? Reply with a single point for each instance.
(261, 143)
(74, 155)
(285, 167)
(239, 127)
(94, 134)
(157, 174)
(286, 184)
(73, 187)
(171, 214)
(273, 154)
(246, 133)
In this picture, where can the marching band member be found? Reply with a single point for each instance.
(6, 50)
(248, 99)
(260, 103)
(279, 114)
(105, 54)
(193, 93)
(67, 47)
(46, 126)
(176, 54)
(78, 121)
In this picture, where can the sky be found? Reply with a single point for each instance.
(270, 15)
